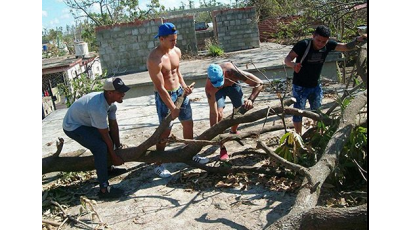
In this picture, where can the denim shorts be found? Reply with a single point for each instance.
(185, 113)
(234, 92)
(302, 94)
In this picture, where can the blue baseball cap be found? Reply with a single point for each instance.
(166, 29)
(216, 75)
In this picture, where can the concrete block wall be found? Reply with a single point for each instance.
(186, 34)
(236, 29)
(124, 48)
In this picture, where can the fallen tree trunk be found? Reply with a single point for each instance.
(309, 193)
(71, 162)
(321, 218)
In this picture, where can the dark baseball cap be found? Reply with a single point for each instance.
(115, 84)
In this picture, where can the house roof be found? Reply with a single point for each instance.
(61, 64)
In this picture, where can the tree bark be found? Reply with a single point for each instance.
(321, 218)
(361, 63)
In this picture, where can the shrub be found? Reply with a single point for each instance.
(215, 50)
(78, 87)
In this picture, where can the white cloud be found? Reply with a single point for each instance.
(65, 16)
(95, 8)
(66, 10)
(44, 13)
(173, 3)
(54, 21)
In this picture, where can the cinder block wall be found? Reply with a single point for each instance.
(236, 29)
(124, 48)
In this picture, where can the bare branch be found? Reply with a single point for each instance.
(295, 167)
(59, 144)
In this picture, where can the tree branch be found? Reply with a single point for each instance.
(306, 199)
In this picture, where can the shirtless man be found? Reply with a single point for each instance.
(223, 81)
(163, 68)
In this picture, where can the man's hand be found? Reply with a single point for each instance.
(362, 38)
(248, 104)
(188, 90)
(121, 146)
(297, 67)
(117, 160)
(175, 113)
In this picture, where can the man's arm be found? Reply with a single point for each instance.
(213, 112)
(351, 45)
(116, 160)
(154, 70)
(253, 81)
(289, 61)
(114, 132)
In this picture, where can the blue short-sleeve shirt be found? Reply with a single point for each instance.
(90, 110)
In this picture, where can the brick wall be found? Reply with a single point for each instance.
(124, 48)
(236, 29)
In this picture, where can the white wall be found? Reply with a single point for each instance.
(96, 68)
(71, 73)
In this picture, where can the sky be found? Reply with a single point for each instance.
(56, 14)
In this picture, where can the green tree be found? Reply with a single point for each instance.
(56, 39)
(210, 3)
(111, 11)
(342, 17)
(79, 87)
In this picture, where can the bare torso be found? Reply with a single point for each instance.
(169, 63)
